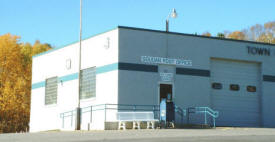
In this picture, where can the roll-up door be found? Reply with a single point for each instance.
(235, 92)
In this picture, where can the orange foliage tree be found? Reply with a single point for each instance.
(237, 35)
(260, 33)
(206, 34)
(15, 82)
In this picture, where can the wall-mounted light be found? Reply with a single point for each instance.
(61, 82)
(173, 15)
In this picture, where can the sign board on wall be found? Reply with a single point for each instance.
(260, 51)
(166, 76)
(166, 61)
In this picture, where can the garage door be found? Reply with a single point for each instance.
(235, 92)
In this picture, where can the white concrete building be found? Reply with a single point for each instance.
(128, 66)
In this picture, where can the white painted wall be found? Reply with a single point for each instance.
(53, 63)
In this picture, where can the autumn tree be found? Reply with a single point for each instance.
(38, 47)
(236, 35)
(12, 80)
(206, 34)
(260, 33)
(268, 34)
(15, 81)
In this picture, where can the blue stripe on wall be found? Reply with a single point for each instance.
(269, 78)
(107, 68)
(138, 67)
(99, 70)
(38, 85)
(69, 77)
(193, 72)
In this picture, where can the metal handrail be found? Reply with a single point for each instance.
(181, 112)
(131, 105)
(104, 107)
(67, 112)
(179, 109)
(208, 110)
(93, 106)
(126, 107)
(70, 114)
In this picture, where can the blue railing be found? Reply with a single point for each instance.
(206, 111)
(120, 107)
(126, 107)
(67, 114)
(106, 107)
(181, 112)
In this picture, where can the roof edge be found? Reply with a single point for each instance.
(66, 45)
(150, 30)
(200, 36)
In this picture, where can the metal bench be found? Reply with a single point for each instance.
(136, 117)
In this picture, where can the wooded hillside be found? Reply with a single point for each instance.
(15, 81)
(260, 33)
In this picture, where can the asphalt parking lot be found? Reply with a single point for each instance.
(159, 135)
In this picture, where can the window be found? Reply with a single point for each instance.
(88, 83)
(216, 85)
(251, 88)
(51, 91)
(68, 64)
(234, 87)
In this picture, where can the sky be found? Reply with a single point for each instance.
(57, 21)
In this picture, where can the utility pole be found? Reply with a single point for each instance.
(78, 109)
